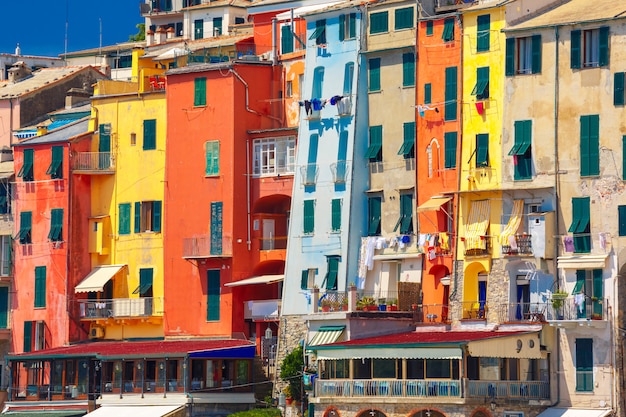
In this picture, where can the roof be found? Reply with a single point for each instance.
(220, 3)
(189, 69)
(61, 134)
(486, 4)
(104, 49)
(39, 79)
(196, 45)
(576, 12)
(412, 339)
(265, 6)
(129, 349)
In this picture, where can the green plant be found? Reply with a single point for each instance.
(344, 301)
(368, 301)
(291, 372)
(393, 301)
(382, 301)
(326, 303)
(558, 298)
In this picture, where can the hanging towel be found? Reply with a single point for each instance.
(422, 239)
(444, 241)
(513, 242)
(480, 107)
(363, 258)
(316, 103)
(568, 243)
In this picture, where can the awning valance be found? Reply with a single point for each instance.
(477, 223)
(238, 352)
(261, 279)
(575, 412)
(326, 335)
(582, 261)
(138, 411)
(434, 203)
(399, 256)
(392, 353)
(97, 278)
(514, 222)
(518, 346)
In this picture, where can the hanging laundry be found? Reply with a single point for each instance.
(431, 253)
(513, 242)
(603, 240)
(307, 107)
(568, 243)
(401, 243)
(480, 107)
(579, 300)
(406, 239)
(335, 100)
(317, 103)
(444, 241)
(422, 239)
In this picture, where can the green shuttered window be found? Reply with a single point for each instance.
(216, 227)
(373, 214)
(149, 134)
(521, 150)
(124, 219)
(28, 336)
(27, 170)
(408, 145)
(429, 28)
(621, 220)
(335, 212)
(56, 225)
(481, 89)
(428, 98)
(40, 286)
(311, 167)
(4, 307)
(309, 217)
(26, 224)
(589, 145)
(408, 69)
(199, 91)
(584, 365)
(405, 221)
(379, 22)
(618, 89)
(375, 151)
(332, 264)
(450, 144)
(212, 157)
(286, 39)
(374, 74)
(55, 170)
(448, 30)
(404, 18)
(483, 36)
(450, 107)
(580, 226)
(482, 150)
(213, 295)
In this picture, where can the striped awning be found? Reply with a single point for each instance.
(514, 222)
(97, 278)
(477, 224)
(326, 335)
(434, 203)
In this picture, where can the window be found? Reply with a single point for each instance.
(332, 268)
(589, 48)
(144, 289)
(124, 222)
(213, 295)
(408, 146)
(310, 169)
(319, 34)
(148, 216)
(4, 307)
(347, 26)
(56, 225)
(309, 217)
(217, 208)
(217, 26)
(308, 278)
(584, 365)
(318, 82)
(286, 39)
(482, 37)
(379, 22)
(5, 255)
(5, 197)
(274, 156)
(289, 89)
(448, 30)
(340, 170)
(335, 215)
(429, 28)
(521, 150)
(40, 286)
(590, 283)
(375, 151)
(55, 170)
(450, 142)
(624, 157)
(373, 215)
(348, 78)
(481, 89)
(428, 98)
(618, 89)
(580, 226)
(199, 91)
(149, 134)
(26, 221)
(27, 170)
(405, 221)
(449, 112)
(28, 336)
(374, 74)
(482, 150)
(404, 18)
(523, 55)
(198, 29)
(408, 69)
(212, 157)
(589, 145)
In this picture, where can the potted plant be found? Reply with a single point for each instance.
(382, 304)
(392, 305)
(369, 304)
(344, 304)
(326, 304)
(558, 300)
(288, 395)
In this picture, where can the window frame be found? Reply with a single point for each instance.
(198, 29)
(27, 171)
(448, 29)
(408, 69)
(589, 145)
(26, 228)
(482, 150)
(450, 109)
(522, 150)
(148, 216)
(481, 89)
(373, 75)
(212, 158)
(518, 62)
(375, 149)
(281, 150)
(347, 26)
(55, 170)
(199, 92)
(335, 214)
(308, 217)
(407, 149)
(123, 227)
(405, 221)
(483, 38)
(584, 358)
(450, 142)
(588, 44)
(39, 299)
(374, 211)
(149, 134)
(213, 280)
(379, 22)
(402, 15)
(581, 224)
(56, 225)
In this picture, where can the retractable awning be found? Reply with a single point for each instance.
(261, 279)
(326, 335)
(514, 221)
(139, 411)
(477, 223)
(519, 346)
(434, 203)
(575, 412)
(97, 278)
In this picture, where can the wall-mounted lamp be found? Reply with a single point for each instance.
(428, 413)
(139, 366)
(268, 333)
(161, 366)
(493, 405)
(372, 412)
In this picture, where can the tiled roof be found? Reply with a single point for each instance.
(39, 79)
(577, 11)
(59, 134)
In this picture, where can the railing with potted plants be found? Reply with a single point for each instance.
(577, 307)
(388, 300)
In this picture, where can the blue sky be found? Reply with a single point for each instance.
(39, 25)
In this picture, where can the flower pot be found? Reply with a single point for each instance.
(288, 400)
(382, 307)
(325, 309)
(392, 308)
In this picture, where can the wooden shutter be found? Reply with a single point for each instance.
(624, 157)
(342, 27)
(374, 216)
(482, 150)
(428, 93)
(156, 216)
(40, 286)
(138, 217)
(429, 27)
(304, 279)
(509, 60)
(4, 307)
(149, 134)
(199, 94)
(213, 295)
(216, 228)
(450, 107)
(603, 59)
(336, 214)
(104, 144)
(28, 336)
(618, 89)
(483, 41)
(286, 39)
(408, 69)
(598, 284)
(348, 79)
(589, 145)
(406, 213)
(374, 74)
(309, 216)
(124, 220)
(575, 49)
(584, 365)
(333, 270)
(536, 54)
(450, 143)
(352, 25)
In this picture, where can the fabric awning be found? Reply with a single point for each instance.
(392, 353)
(97, 278)
(392, 256)
(326, 335)
(582, 262)
(138, 411)
(261, 279)
(514, 222)
(44, 413)
(575, 412)
(299, 11)
(434, 203)
(519, 346)
(477, 223)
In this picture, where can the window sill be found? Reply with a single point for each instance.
(212, 176)
(375, 91)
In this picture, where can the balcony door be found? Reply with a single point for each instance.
(269, 232)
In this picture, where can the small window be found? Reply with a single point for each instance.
(148, 216)
(319, 34)
(621, 220)
(523, 55)
(589, 48)
(27, 170)
(55, 170)
(375, 150)
(618, 89)
(373, 215)
(212, 157)
(40, 286)
(308, 278)
(481, 89)
(133, 139)
(429, 28)
(374, 74)
(404, 225)
(56, 225)
(335, 215)
(309, 217)
(199, 92)
(521, 150)
(26, 222)
(404, 18)
(483, 34)
(347, 26)
(408, 145)
(428, 93)
(408, 69)
(450, 144)
(217, 26)
(332, 267)
(482, 150)
(289, 89)
(589, 145)
(198, 29)
(286, 39)
(149, 134)
(448, 30)
(379, 22)
(124, 219)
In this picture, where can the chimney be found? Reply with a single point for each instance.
(18, 51)
(171, 32)
(18, 72)
(161, 35)
(42, 130)
(149, 37)
(76, 96)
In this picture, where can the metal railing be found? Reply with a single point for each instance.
(523, 246)
(469, 310)
(523, 390)
(121, 307)
(522, 312)
(577, 308)
(93, 161)
(272, 243)
(387, 388)
(481, 245)
(203, 247)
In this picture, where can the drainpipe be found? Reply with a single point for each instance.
(274, 46)
(248, 242)
(457, 209)
(556, 206)
(248, 109)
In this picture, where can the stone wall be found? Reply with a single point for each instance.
(291, 331)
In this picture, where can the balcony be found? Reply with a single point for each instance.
(427, 388)
(479, 246)
(93, 163)
(523, 246)
(309, 174)
(340, 170)
(273, 243)
(522, 313)
(121, 307)
(508, 390)
(583, 308)
(262, 310)
(473, 310)
(199, 247)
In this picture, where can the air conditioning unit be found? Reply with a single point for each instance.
(96, 332)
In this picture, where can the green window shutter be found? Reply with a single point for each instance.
(212, 157)
(149, 134)
(598, 293)
(124, 219)
(319, 34)
(286, 39)
(217, 26)
(482, 150)
(589, 145)
(579, 287)
(621, 220)
(484, 26)
(450, 107)
(379, 22)
(199, 91)
(28, 336)
(145, 282)
(408, 69)
(509, 59)
(213, 295)
(374, 152)
(575, 49)
(352, 25)
(536, 54)
(374, 212)
(55, 170)
(522, 150)
(40, 286)
(348, 78)
(138, 217)
(26, 172)
(624, 157)
(333, 271)
(404, 18)
(342, 27)
(56, 225)
(406, 213)
(409, 140)
(428, 93)
(580, 226)
(342, 152)
(603, 59)
(318, 82)
(481, 89)
(26, 224)
(374, 74)
(584, 365)
(618, 89)
(311, 167)
(156, 216)
(198, 29)
(309, 216)
(336, 214)
(4, 307)
(216, 228)
(448, 30)
(450, 143)
(429, 28)
(104, 144)
(304, 279)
